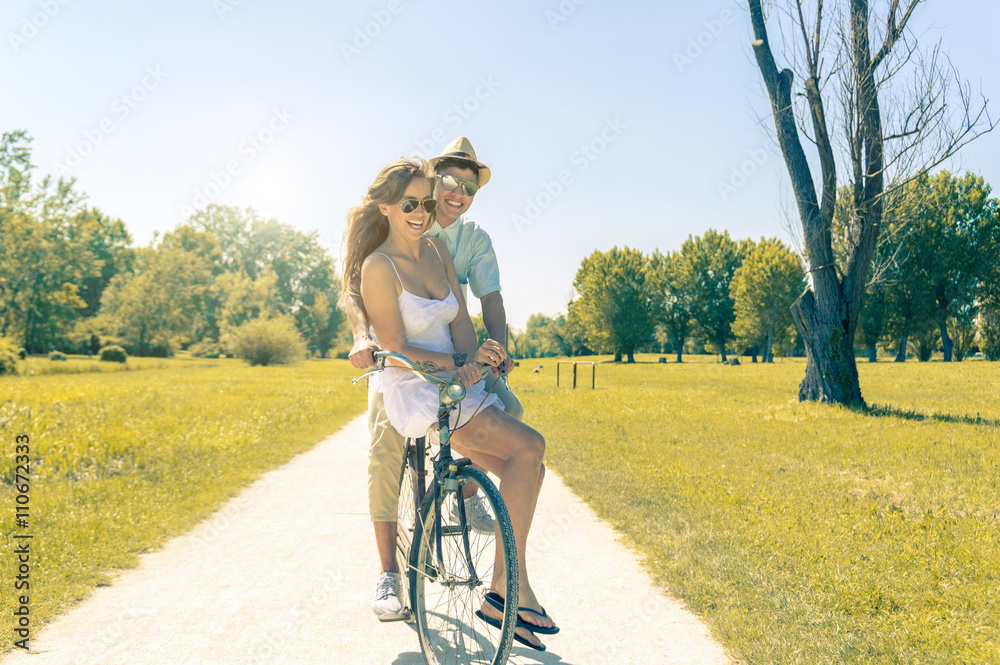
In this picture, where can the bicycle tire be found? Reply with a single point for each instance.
(409, 497)
(447, 590)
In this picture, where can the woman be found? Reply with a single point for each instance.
(416, 308)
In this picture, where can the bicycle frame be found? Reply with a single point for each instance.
(431, 561)
(444, 479)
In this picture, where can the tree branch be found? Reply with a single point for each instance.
(894, 31)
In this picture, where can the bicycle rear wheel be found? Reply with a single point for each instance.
(451, 569)
(410, 495)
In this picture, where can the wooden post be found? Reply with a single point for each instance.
(562, 362)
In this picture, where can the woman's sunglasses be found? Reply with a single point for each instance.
(450, 183)
(409, 205)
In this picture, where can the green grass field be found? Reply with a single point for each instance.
(802, 533)
(125, 456)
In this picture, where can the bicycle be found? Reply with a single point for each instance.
(446, 561)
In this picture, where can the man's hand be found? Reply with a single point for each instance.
(362, 353)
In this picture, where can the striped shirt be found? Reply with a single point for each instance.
(472, 251)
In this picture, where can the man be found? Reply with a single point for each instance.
(460, 176)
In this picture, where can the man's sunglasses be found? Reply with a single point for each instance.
(409, 205)
(450, 183)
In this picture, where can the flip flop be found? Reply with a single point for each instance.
(494, 599)
(498, 624)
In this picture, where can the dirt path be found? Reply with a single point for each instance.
(284, 574)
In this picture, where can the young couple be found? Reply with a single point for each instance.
(410, 253)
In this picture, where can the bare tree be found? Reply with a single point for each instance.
(899, 118)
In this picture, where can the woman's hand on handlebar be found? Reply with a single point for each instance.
(469, 373)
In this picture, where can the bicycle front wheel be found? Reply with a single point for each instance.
(452, 567)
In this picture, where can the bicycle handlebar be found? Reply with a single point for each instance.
(380, 357)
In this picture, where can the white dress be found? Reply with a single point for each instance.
(410, 402)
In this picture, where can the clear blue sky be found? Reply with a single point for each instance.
(149, 104)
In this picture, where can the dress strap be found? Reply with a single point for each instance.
(436, 251)
(393, 267)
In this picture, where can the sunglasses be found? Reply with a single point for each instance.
(451, 183)
(409, 205)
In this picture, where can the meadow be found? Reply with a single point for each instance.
(801, 533)
(125, 456)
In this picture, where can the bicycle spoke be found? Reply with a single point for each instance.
(448, 594)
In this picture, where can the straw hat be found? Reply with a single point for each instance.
(461, 148)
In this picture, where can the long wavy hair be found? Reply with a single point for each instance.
(367, 227)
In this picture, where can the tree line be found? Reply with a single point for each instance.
(714, 294)
(935, 286)
(71, 279)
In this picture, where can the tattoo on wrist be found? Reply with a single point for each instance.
(430, 366)
(459, 358)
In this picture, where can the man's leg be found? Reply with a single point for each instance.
(511, 404)
(385, 459)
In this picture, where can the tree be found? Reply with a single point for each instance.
(934, 289)
(706, 269)
(241, 299)
(544, 337)
(765, 285)
(887, 129)
(953, 214)
(250, 243)
(672, 302)
(989, 332)
(111, 246)
(614, 307)
(306, 282)
(164, 303)
(45, 255)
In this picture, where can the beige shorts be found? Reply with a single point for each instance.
(385, 453)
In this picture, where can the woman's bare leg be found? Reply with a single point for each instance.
(512, 451)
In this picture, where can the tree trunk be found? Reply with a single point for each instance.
(831, 371)
(618, 356)
(901, 351)
(769, 349)
(947, 345)
(680, 348)
(631, 357)
(753, 353)
(872, 353)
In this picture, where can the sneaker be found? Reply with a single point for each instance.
(388, 601)
(476, 513)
